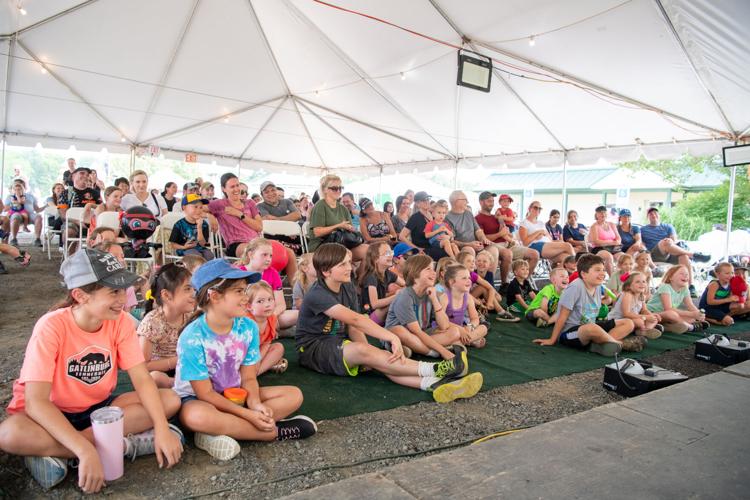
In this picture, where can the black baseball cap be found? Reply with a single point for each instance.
(485, 195)
(422, 196)
(82, 169)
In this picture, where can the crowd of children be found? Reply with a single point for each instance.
(207, 328)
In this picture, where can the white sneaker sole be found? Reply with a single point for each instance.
(220, 447)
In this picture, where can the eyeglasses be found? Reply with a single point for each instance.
(461, 199)
(336, 188)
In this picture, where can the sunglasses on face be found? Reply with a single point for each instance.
(536, 208)
(336, 188)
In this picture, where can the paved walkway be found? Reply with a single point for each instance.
(691, 440)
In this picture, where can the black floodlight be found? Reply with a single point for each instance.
(735, 156)
(474, 71)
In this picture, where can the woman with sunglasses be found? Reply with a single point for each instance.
(329, 215)
(534, 234)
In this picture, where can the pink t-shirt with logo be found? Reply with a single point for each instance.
(82, 366)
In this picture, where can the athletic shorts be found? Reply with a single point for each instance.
(717, 312)
(570, 338)
(538, 246)
(82, 420)
(530, 316)
(327, 356)
(658, 256)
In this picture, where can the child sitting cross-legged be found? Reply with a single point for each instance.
(542, 310)
(260, 309)
(579, 305)
(374, 280)
(328, 319)
(720, 304)
(459, 307)
(673, 303)
(70, 370)
(220, 350)
(632, 305)
(520, 290)
(170, 301)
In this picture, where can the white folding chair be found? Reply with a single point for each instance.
(305, 228)
(47, 230)
(73, 215)
(110, 220)
(285, 228)
(167, 224)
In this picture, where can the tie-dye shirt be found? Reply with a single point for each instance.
(201, 355)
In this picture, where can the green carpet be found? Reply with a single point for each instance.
(509, 358)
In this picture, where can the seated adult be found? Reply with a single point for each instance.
(170, 190)
(54, 201)
(276, 207)
(661, 240)
(413, 233)
(604, 239)
(375, 226)
(402, 213)
(553, 225)
(142, 196)
(123, 184)
(575, 233)
(329, 215)
(497, 232)
(22, 211)
(239, 222)
(630, 235)
(347, 199)
(468, 234)
(533, 234)
(79, 196)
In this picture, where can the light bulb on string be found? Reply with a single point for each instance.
(21, 10)
(403, 75)
(532, 41)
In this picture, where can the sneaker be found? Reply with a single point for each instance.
(220, 447)
(701, 257)
(38, 243)
(632, 344)
(607, 349)
(652, 333)
(2, 269)
(701, 325)
(678, 328)
(453, 368)
(507, 317)
(541, 323)
(47, 471)
(693, 292)
(659, 327)
(299, 427)
(280, 367)
(140, 444)
(479, 343)
(445, 390)
(457, 349)
(14, 242)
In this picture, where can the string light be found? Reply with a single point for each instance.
(532, 41)
(43, 70)
(122, 139)
(21, 10)
(226, 119)
(403, 75)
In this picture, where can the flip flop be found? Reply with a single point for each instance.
(24, 259)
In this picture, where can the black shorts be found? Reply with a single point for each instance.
(436, 253)
(570, 338)
(717, 312)
(530, 316)
(327, 356)
(231, 250)
(82, 420)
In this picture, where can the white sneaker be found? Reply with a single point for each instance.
(220, 447)
(48, 471)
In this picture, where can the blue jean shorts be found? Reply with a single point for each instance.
(537, 245)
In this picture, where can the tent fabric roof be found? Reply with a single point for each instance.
(305, 83)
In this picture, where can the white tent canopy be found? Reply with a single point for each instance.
(302, 83)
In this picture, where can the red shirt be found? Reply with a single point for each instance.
(490, 225)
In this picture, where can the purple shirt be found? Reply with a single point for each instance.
(233, 229)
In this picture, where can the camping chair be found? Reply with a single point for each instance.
(285, 228)
(47, 230)
(73, 215)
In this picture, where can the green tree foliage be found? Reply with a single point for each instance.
(676, 171)
(696, 214)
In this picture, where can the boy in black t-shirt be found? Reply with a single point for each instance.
(327, 320)
(520, 291)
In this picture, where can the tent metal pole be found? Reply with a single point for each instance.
(2, 166)
(73, 91)
(168, 69)
(565, 187)
(730, 209)
(380, 185)
(361, 72)
(373, 127)
(263, 127)
(132, 159)
(696, 73)
(182, 130)
(50, 18)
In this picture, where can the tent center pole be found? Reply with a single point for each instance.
(2, 165)
(565, 187)
(730, 208)
(132, 159)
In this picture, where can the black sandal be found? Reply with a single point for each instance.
(24, 259)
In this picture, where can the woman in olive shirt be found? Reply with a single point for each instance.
(329, 214)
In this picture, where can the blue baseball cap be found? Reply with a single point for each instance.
(404, 249)
(220, 268)
(625, 213)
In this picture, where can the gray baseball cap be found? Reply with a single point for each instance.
(89, 266)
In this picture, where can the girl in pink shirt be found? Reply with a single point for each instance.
(257, 257)
(70, 370)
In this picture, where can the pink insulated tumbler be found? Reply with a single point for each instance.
(107, 424)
